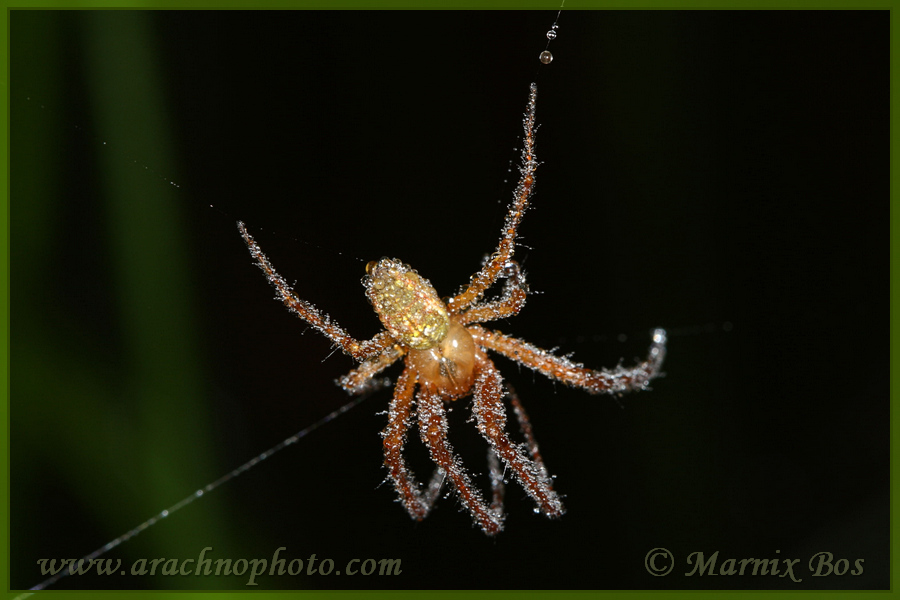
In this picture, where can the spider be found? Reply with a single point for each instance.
(444, 350)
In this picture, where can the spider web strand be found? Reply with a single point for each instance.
(68, 570)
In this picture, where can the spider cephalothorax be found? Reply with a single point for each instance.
(445, 356)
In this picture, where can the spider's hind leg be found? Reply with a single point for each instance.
(491, 417)
(394, 439)
(604, 381)
(527, 432)
(433, 430)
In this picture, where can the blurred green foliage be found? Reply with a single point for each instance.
(108, 375)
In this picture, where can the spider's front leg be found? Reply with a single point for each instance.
(498, 261)
(360, 350)
(615, 381)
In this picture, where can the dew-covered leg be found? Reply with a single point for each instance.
(492, 269)
(515, 291)
(359, 380)
(498, 489)
(360, 350)
(527, 432)
(604, 381)
(491, 418)
(433, 429)
(434, 487)
(394, 439)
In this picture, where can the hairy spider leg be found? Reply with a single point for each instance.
(515, 291)
(490, 416)
(616, 381)
(394, 439)
(525, 428)
(495, 265)
(498, 489)
(359, 350)
(433, 430)
(359, 380)
(419, 504)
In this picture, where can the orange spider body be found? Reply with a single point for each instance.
(445, 355)
(449, 367)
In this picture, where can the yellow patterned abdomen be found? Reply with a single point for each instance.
(406, 303)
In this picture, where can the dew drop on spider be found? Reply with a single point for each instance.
(546, 57)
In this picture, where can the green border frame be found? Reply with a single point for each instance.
(437, 4)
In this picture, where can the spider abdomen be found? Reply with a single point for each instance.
(406, 303)
(447, 368)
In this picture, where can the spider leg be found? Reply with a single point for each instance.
(525, 428)
(360, 379)
(394, 439)
(514, 292)
(360, 350)
(615, 381)
(485, 278)
(433, 430)
(434, 487)
(491, 418)
(498, 489)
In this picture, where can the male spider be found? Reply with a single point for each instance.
(444, 351)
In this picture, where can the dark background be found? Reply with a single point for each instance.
(720, 174)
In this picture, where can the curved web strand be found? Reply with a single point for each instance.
(492, 269)
(433, 430)
(491, 418)
(394, 439)
(359, 350)
(604, 381)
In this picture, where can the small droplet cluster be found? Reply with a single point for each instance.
(545, 57)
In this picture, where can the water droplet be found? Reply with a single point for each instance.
(551, 35)
(546, 57)
(164, 514)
